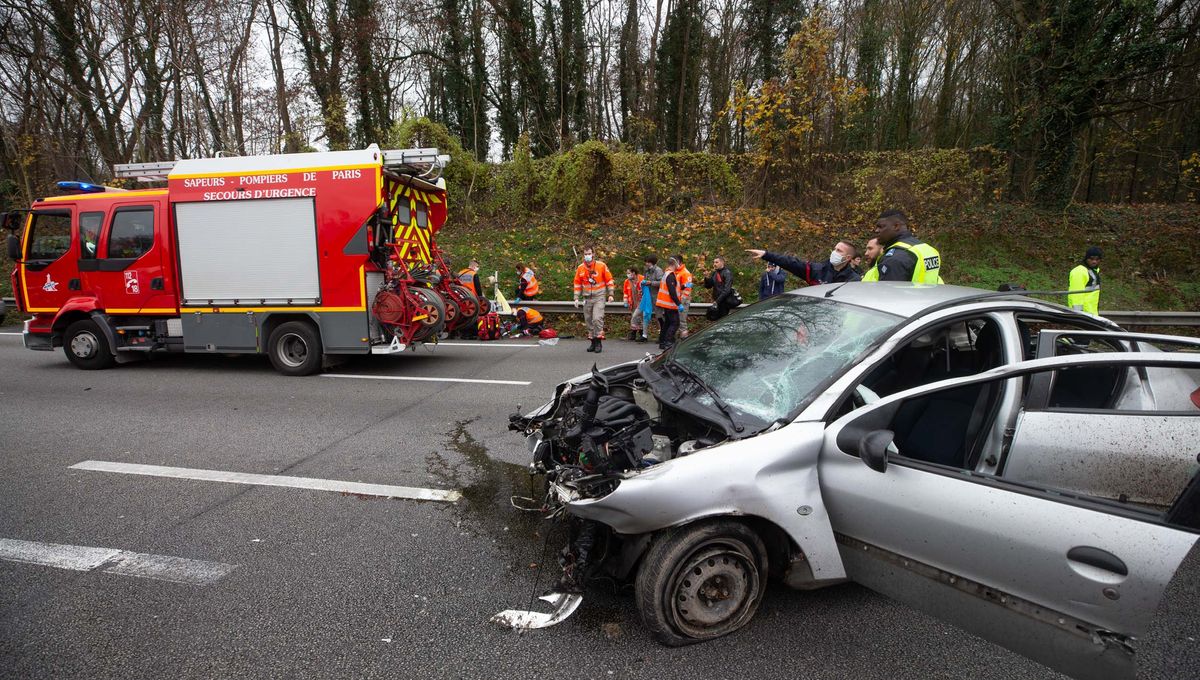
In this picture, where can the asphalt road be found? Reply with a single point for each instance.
(330, 584)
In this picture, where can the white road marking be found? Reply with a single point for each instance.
(384, 490)
(13, 334)
(414, 378)
(167, 568)
(482, 344)
(119, 562)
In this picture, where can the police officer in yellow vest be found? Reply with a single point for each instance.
(1086, 275)
(905, 257)
(871, 260)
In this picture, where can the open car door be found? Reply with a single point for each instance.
(1066, 576)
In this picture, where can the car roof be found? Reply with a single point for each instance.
(907, 299)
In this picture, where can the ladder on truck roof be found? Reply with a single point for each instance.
(425, 164)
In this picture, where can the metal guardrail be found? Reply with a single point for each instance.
(1124, 318)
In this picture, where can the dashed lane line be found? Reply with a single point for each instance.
(114, 561)
(413, 378)
(384, 490)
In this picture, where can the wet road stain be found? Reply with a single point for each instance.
(487, 486)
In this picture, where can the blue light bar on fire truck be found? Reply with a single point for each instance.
(81, 187)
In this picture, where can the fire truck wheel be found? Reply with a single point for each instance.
(295, 348)
(86, 346)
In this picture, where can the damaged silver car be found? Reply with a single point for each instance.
(1009, 465)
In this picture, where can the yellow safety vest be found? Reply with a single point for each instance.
(1081, 278)
(929, 261)
(872, 274)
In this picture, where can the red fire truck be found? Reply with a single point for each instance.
(296, 256)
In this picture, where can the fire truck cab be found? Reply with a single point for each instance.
(296, 256)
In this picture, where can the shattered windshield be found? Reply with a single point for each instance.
(766, 360)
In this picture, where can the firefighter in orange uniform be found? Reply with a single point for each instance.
(529, 321)
(593, 287)
(670, 303)
(686, 280)
(527, 284)
(469, 277)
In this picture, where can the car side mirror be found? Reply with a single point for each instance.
(873, 448)
(14, 247)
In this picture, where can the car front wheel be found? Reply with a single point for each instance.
(700, 582)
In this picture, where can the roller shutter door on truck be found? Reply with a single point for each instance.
(250, 252)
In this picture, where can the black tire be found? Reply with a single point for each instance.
(702, 581)
(434, 308)
(295, 348)
(86, 346)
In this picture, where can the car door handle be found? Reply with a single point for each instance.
(156, 283)
(1100, 559)
(74, 284)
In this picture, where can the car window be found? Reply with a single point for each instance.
(768, 359)
(1139, 458)
(1139, 462)
(960, 348)
(947, 427)
(50, 237)
(1030, 325)
(132, 232)
(89, 234)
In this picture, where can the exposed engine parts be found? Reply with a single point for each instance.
(596, 430)
(595, 433)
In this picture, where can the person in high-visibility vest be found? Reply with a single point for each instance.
(529, 321)
(593, 287)
(1086, 275)
(670, 303)
(871, 260)
(686, 283)
(528, 286)
(905, 257)
(632, 294)
(469, 277)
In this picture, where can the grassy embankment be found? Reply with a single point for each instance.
(1151, 252)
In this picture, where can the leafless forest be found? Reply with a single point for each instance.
(1088, 100)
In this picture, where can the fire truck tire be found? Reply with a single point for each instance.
(295, 348)
(86, 347)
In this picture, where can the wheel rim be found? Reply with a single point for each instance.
(293, 350)
(714, 590)
(84, 345)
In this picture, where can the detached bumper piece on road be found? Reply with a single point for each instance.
(564, 605)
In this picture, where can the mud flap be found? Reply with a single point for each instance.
(564, 605)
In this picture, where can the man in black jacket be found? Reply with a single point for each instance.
(836, 269)
(721, 282)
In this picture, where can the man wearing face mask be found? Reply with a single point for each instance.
(593, 286)
(836, 269)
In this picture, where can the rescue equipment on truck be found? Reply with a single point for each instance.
(297, 256)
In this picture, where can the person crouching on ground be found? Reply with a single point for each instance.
(530, 321)
(528, 287)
